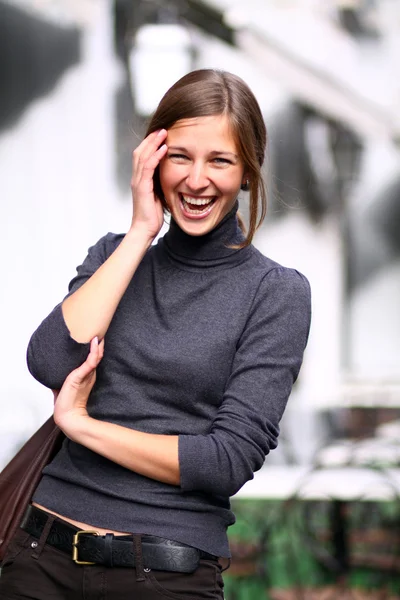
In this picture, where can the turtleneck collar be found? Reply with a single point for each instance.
(209, 250)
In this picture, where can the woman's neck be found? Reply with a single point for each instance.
(212, 249)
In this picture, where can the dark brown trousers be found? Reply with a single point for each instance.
(34, 571)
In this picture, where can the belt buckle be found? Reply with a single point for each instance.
(75, 546)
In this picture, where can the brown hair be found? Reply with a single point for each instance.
(208, 92)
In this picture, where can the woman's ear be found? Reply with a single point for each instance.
(245, 184)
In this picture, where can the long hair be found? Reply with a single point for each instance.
(209, 92)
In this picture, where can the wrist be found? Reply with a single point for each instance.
(74, 425)
(139, 235)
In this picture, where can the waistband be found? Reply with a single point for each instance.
(87, 547)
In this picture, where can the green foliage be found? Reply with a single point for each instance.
(291, 544)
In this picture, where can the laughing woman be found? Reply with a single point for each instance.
(203, 338)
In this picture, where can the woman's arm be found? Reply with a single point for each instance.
(266, 365)
(52, 353)
(151, 455)
(88, 312)
(61, 342)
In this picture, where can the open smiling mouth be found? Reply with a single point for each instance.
(197, 206)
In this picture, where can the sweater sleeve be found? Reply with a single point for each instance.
(266, 364)
(52, 353)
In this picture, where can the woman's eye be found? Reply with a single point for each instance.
(177, 156)
(222, 161)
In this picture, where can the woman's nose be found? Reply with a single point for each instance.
(197, 178)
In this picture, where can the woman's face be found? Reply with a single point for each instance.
(201, 173)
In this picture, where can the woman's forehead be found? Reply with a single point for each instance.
(214, 127)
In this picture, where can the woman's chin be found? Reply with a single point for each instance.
(195, 228)
(195, 225)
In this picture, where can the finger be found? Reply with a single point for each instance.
(148, 139)
(96, 352)
(151, 164)
(101, 349)
(149, 145)
(90, 364)
(141, 149)
(77, 376)
(93, 358)
(146, 150)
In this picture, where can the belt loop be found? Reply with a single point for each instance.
(43, 537)
(108, 558)
(137, 552)
(227, 567)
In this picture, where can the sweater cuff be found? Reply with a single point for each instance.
(192, 452)
(52, 352)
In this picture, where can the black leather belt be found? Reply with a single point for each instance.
(88, 547)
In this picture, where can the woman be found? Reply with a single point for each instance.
(203, 338)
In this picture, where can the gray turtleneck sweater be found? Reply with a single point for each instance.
(206, 344)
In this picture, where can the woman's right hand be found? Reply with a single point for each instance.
(148, 215)
(71, 400)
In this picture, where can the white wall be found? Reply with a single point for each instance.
(58, 196)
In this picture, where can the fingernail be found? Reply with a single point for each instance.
(96, 340)
(161, 131)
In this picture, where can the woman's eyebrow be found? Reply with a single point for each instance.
(219, 152)
(212, 153)
(178, 148)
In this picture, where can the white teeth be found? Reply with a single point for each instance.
(197, 201)
(193, 211)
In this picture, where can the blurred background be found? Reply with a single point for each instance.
(78, 81)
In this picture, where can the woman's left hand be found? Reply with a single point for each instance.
(71, 400)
